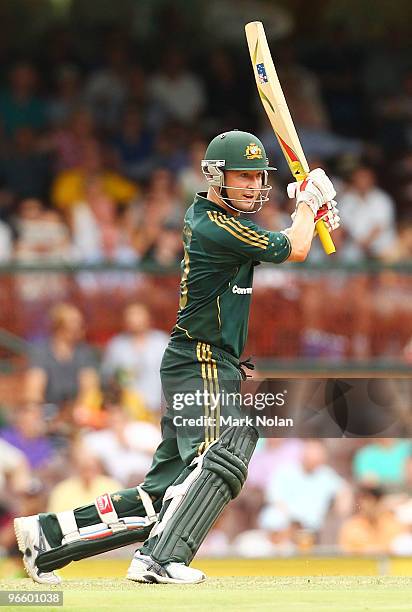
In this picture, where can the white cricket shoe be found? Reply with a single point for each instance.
(144, 569)
(32, 542)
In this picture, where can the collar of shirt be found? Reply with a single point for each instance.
(202, 201)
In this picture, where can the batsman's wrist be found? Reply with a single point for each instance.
(307, 205)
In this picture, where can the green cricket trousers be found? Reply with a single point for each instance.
(195, 376)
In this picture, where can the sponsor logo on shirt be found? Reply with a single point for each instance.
(241, 290)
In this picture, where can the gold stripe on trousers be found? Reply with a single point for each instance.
(211, 388)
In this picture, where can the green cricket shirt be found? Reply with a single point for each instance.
(220, 252)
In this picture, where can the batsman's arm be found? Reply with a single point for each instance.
(239, 240)
(301, 233)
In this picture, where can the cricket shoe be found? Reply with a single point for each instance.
(32, 541)
(144, 569)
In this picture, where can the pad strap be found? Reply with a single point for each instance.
(110, 521)
(147, 504)
(68, 526)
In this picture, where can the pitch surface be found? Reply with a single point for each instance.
(294, 594)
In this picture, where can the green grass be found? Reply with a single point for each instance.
(294, 594)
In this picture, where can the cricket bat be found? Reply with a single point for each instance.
(274, 103)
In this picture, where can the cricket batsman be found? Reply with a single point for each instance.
(195, 471)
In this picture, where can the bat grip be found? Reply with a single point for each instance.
(322, 230)
(325, 238)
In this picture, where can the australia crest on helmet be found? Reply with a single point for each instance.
(253, 151)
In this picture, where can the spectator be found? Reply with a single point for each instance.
(191, 178)
(394, 114)
(306, 491)
(302, 88)
(14, 468)
(42, 237)
(167, 251)
(100, 238)
(176, 89)
(382, 463)
(226, 99)
(133, 359)
(276, 453)
(67, 140)
(69, 185)
(170, 148)
(402, 250)
(372, 528)
(25, 172)
(133, 145)
(260, 543)
(106, 88)
(41, 233)
(15, 482)
(63, 368)
(402, 544)
(339, 61)
(273, 215)
(151, 112)
(66, 96)
(112, 249)
(93, 219)
(125, 447)
(407, 351)
(31, 500)
(161, 207)
(19, 105)
(27, 432)
(6, 243)
(87, 482)
(368, 215)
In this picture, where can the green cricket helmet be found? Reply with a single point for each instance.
(236, 150)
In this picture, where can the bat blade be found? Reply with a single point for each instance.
(275, 105)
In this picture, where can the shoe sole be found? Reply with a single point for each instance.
(21, 542)
(153, 578)
(19, 530)
(19, 535)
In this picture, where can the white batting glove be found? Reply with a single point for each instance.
(316, 190)
(329, 214)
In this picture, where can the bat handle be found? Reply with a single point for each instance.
(325, 238)
(324, 235)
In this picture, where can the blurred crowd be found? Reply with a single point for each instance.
(330, 496)
(89, 423)
(100, 157)
(100, 151)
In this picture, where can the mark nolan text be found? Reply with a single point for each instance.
(229, 421)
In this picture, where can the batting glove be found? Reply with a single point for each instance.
(316, 190)
(329, 214)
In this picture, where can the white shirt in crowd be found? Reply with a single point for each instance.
(301, 496)
(5, 242)
(362, 214)
(183, 97)
(138, 364)
(123, 460)
(11, 458)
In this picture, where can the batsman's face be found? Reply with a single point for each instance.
(243, 187)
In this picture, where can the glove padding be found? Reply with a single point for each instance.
(316, 190)
(329, 214)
